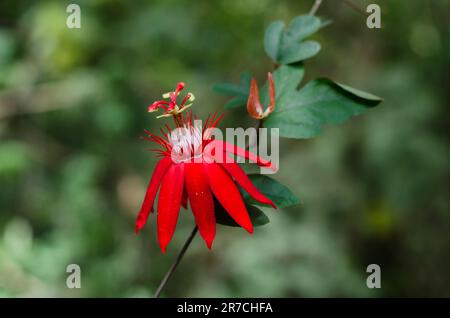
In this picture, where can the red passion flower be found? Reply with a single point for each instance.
(196, 168)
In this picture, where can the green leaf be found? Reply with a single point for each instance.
(301, 27)
(358, 93)
(285, 46)
(228, 89)
(299, 52)
(256, 215)
(271, 188)
(286, 78)
(238, 91)
(272, 39)
(304, 113)
(235, 102)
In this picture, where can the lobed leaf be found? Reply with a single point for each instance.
(304, 113)
(286, 45)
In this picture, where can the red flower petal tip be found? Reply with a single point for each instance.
(209, 244)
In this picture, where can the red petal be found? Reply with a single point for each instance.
(228, 195)
(147, 205)
(201, 200)
(219, 145)
(169, 203)
(242, 179)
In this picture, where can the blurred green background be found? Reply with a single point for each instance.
(73, 169)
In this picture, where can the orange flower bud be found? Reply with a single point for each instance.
(254, 106)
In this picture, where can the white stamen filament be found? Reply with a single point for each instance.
(186, 143)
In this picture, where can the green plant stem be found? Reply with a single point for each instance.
(315, 7)
(175, 264)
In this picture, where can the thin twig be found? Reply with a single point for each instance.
(355, 7)
(315, 7)
(175, 264)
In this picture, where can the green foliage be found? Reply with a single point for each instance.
(280, 195)
(284, 46)
(256, 215)
(300, 113)
(286, 79)
(238, 91)
(303, 113)
(287, 45)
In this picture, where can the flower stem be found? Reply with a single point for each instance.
(175, 263)
(315, 7)
(355, 7)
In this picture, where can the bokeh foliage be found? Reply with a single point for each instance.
(73, 168)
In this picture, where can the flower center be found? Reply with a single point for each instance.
(186, 143)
